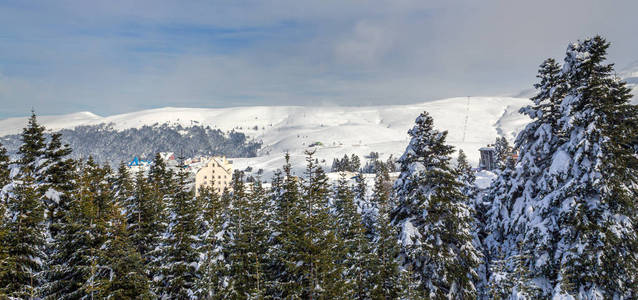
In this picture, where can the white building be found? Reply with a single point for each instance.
(217, 173)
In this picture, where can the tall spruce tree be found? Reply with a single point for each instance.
(286, 196)
(21, 274)
(178, 257)
(246, 241)
(4, 234)
(213, 215)
(519, 191)
(466, 175)
(597, 217)
(309, 243)
(385, 274)
(147, 216)
(356, 253)
(75, 267)
(4, 221)
(5, 171)
(208, 285)
(32, 150)
(564, 213)
(58, 183)
(122, 273)
(503, 152)
(433, 217)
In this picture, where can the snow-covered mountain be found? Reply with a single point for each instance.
(472, 123)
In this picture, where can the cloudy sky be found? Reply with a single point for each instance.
(115, 56)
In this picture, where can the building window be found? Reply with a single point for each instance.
(204, 177)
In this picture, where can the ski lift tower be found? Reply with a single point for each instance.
(488, 158)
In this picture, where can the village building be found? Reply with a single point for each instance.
(216, 173)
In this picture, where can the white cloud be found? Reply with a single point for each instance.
(116, 56)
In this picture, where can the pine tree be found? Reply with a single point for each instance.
(147, 218)
(259, 230)
(286, 197)
(503, 152)
(512, 279)
(178, 258)
(519, 191)
(123, 275)
(432, 216)
(309, 243)
(385, 274)
(355, 163)
(25, 244)
(466, 175)
(32, 149)
(24, 247)
(123, 186)
(597, 212)
(211, 266)
(4, 230)
(75, 267)
(58, 183)
(246, 243)
(5, 171)
(356, 252)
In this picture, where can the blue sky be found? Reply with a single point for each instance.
(111, 57)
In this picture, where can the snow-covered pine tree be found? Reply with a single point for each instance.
(177, 258)
(141, 218)
(246, 241)
(259, 229)
(122, 274)
(597, 215)
(146, 214)
(432, 216)
(466, 175)
(319, 272)
(512, 279)
(517, 220)
(164, 186)
(355, 163)
(123, 187)
(309, 240)
(5, 171)
(385, 274)
(286, 196)
(211, 266)
(503, 151)
(32, 150)
(74, 271)
(57, 173)
(25, 246)
(360, 190)
(4, 230)
(356, 256)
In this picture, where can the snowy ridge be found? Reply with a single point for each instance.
(472, 123)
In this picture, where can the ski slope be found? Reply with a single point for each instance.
(471, 122)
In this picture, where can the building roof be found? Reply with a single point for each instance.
(222, 162)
